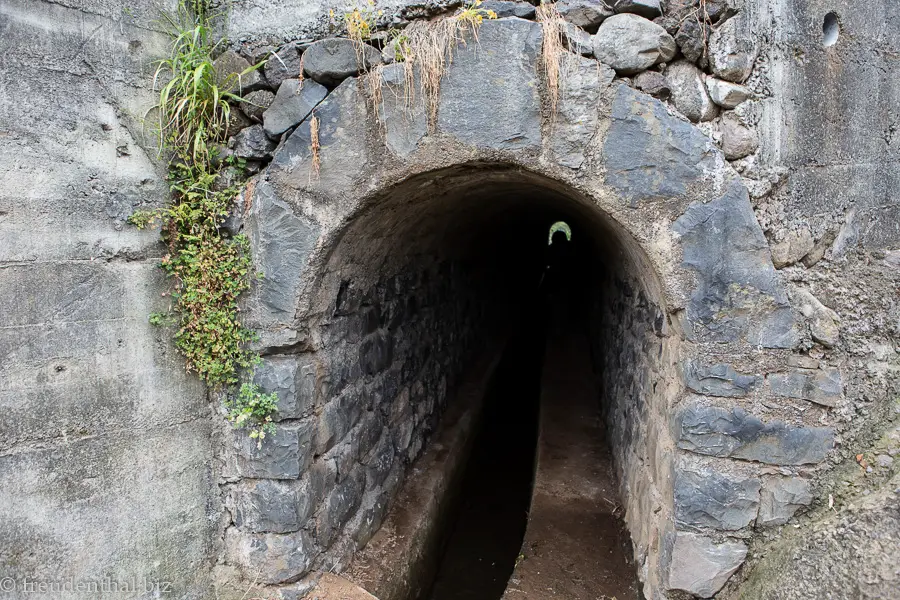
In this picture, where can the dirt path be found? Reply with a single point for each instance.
(576, 546)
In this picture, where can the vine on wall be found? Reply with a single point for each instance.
(208, 268)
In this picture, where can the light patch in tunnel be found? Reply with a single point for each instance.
(559, 226)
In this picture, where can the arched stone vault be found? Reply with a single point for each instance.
(389, 204)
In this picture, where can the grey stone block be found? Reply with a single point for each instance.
(729, 95)
(819, 386)
(578, 40)
(252, 143)
(649, 154)
(272, 557)
(689, 92)
(282, 65)
(718, 380)
(255, 104)
(707, 499)
(336, 420)
(738, 293)
(267, 506)
(719, 432)
(230, 66)
(508, 82)
(732, 50)
(284, 454)
(738, 140)
(631, 44)
(588, 14)
(339, 507)
(343, 118)
(376, 352)
(691, 38)
(700, 566)
(281, 243)
(293, 379)
(649, 9)
(577, 116)
(653, 83)
(381, 460)
(781, 498)
(293, 103)
(506, 8)
(402, 114)
(332, 60)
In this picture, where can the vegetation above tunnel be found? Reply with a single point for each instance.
(209, 268)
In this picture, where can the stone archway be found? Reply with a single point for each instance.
(327, 221)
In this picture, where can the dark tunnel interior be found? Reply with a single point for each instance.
(467, 252)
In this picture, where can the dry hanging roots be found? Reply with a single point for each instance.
(553, 50)
(314, 146)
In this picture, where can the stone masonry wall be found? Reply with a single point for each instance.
(354, 414)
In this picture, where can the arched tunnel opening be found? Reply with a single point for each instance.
(456, 266)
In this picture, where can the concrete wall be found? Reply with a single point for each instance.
(107, 468)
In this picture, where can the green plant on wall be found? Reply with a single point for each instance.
(208, 268)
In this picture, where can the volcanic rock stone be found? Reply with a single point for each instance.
(235, 73)
(780, 498)
(794, 246)
(342, 119)
(292, 379)
(760, 311)
(823, 322)
(821, 386)
(719, 380)
(578, 40)
(708, 499)
(653, 83)
(340, 505)
(649, 9)
(252, 143)
(689, 92)
(293, 103)
(281, 65)
(279, 455)
(630, 44)
(272, 557)
(506, 8)
(255, 104)
(584, 13)
(719, 432)
(726, 94)
(651, 154)
(577, 118)
(738, 140)
(732, 51)
(691, 38)
(700, 566)
(281, 243)
(507, 81)
(332, 60)
(268, 506)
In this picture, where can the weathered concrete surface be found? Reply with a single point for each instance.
(106, 461)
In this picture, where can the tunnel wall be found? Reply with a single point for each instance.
(354, 415)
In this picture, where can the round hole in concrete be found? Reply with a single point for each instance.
(831, 29)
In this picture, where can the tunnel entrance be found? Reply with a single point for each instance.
(447, 263)
(540, 513)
